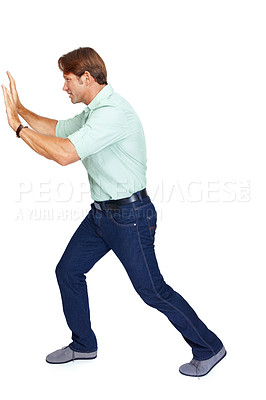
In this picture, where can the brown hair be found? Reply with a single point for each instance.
(84, 59)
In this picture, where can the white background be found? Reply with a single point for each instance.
(195, 73)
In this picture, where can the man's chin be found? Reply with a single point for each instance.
(74, 101)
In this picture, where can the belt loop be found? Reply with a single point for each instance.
(139, 195)
(104, 208)
(97, 206)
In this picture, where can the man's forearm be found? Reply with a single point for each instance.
(54, 148)
(51, 147)
(45, 126)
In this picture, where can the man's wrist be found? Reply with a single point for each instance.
(15, 125)
(20, 109)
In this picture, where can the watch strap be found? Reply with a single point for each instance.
(19, 130)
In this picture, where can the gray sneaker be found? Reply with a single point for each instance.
(200, 368)
(66, 355)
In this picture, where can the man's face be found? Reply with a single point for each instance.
(75, 87)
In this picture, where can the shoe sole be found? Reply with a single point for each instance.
(73, 359)
(199, 376)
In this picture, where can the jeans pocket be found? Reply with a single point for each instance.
(123, 217)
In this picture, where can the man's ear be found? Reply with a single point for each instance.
(88, 78)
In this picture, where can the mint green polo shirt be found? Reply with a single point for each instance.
(109, 139)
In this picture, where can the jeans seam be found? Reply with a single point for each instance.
(151, 227)
(165, 301)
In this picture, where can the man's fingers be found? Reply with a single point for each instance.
(10, 77)
(7, 96)
(4, 90)
(12, 82)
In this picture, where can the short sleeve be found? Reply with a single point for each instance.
(106, 126)
(64, 128)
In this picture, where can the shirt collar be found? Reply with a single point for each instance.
(103, 94)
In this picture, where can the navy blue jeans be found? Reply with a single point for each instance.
(129, 232)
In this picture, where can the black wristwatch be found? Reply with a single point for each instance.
(19, 129)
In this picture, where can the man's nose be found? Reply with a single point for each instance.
(65, 87)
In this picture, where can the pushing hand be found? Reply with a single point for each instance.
(11, 110)
(13, 91)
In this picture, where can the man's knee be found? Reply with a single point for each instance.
(68, 273)
(155, 296)
(59, 271)
(62, 271)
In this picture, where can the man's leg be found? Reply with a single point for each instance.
(134, 245)
(85, 248)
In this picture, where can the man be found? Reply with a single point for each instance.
(108, 138)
